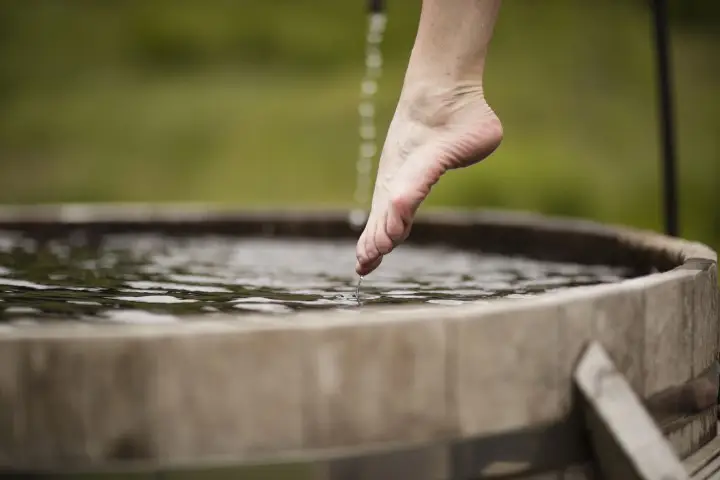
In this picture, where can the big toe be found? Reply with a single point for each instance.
(363, 269)
(367, 252)
(383, 232)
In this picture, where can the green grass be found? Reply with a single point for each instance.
(256, 104)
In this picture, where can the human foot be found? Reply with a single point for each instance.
(435, 129)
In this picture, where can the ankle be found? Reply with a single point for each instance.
(434, 103)
(423, 71)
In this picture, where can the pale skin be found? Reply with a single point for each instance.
(441, 122)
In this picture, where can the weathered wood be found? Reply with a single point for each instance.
(685, 412)
(85, 401)
(371, 382)
(668, 334)
(429, 463)
(490, 386)
(519, 386)
(10, 402)
(705, 461)
(703, 296)
(238, 394)
(627, 443)
(690, 398)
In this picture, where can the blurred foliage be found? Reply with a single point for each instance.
(255, 103)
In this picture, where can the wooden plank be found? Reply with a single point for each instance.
(710, 471)
(698, 464)
(10, 404)
(626, 440)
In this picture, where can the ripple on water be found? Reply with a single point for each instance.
(162, 279)
(155, 299)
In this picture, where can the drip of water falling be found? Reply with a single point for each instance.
(368, 133)
(357, 290)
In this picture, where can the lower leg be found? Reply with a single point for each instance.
(442, 120)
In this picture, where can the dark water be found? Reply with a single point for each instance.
(168, 277)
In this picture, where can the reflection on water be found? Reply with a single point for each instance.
(157, 278)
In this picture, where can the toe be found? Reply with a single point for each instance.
(391, 231)
(382, 239)
(373, 244)
(383, 232)
(367, 268)
(366, 251)
(399, 220)
(370, 245)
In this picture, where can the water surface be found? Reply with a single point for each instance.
(116, 277)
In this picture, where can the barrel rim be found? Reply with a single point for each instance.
(689, 258)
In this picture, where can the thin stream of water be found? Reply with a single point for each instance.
(377, 22)
(368, 150)
(357, 290)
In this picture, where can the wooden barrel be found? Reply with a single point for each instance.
(472, 391)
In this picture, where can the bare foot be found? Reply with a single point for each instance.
(435, 129)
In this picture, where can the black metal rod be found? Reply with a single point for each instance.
(667, 127)
(376, 6)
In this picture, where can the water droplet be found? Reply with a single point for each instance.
(357, 218)
(378, 20)
(367, 132)
(374, 60)
(367, 109)
(369, 87)
(368, 149)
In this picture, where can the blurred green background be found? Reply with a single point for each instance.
(254, 102)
